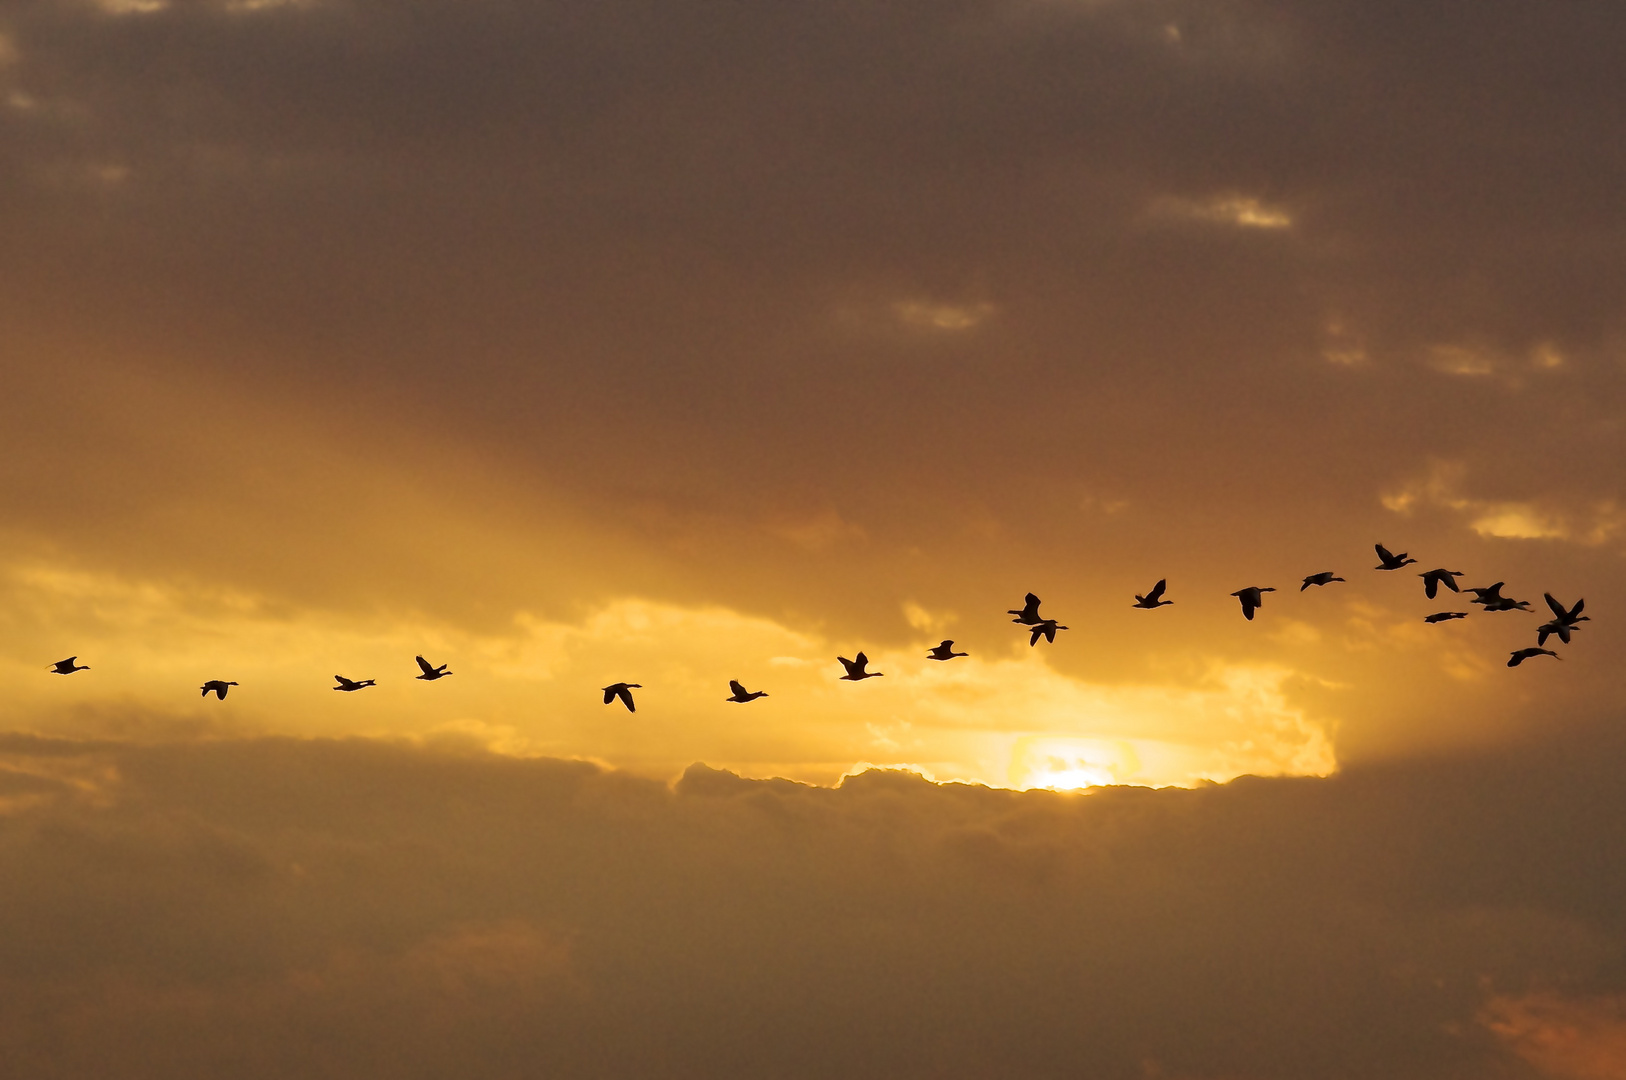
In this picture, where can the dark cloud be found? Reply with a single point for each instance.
(352, 907)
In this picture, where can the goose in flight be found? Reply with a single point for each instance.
(218, 686)
(1506, 603)
(66, 667)
(1388, 560)
(1028, 613)
(1490, 594)
(623, 690)
(1548, 629)
(1433, 579)
(855, 668)
(741, 694)
(1567, 616)
(1521, 655)
(1045, 628)
(944, 651)
(1326, 577)
(353, 684)
(1445, 616)
(431, 672)
(1154, 599)
(1252, 599)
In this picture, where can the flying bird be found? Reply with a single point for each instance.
(741, 694)
(623, 690)
(1521, 655)
(218, 686)
(65, 667)
(1505, 603)
(1567, 616)
(1028, 613)
(1562, 629)
(1045, 628)
(1433, 579)
(1252, 599)
(1154, 599)
(1388, 560)
(1323, 578)
(855, 668)
(1491, 594)
(944, 651)
(430, 672)
(1445, 616)
(353, 684)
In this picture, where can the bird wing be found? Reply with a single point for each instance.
(1157, 590)
(850, 665)
(1558, 609)
(1383, 553)
(428, 668)
(343, 681)
(626, 699)
(736, 687)
(861, 660)
(609, 694)
(1431, 584)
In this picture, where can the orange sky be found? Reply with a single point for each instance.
(673, 344)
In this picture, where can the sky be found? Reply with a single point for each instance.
(674, 343)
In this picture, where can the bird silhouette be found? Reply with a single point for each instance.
(1506, 603)
(1154, 599)
(431, 672)
(1252, 599)
(1489, 594)
(1028, 613)
(1045, 628)
(65, 667)
(1433, 579)
(353, 684)
(1548, 629)
(1521, 655)
(1445, 616)
(855, 668)
(944, 651)
(1324, 578)
(742, 695)
(1387, 560)
(622, 690)
(218, 686)
(1567, 616)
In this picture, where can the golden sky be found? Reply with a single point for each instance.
(571, 344)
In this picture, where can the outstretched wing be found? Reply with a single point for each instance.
(861, 660)
(1157, 590)
(609, 694)
(1384, 554)
(428, 668)
(736, 687)
(626, 699)
(1558, 609)
(1431, 584)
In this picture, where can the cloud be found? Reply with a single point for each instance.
(265, 907)
(1442, 486)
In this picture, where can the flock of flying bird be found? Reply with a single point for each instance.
(1565, 622)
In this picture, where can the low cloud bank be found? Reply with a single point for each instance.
(357, 908)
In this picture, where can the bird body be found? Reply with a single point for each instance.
(1567, 616)
(1562, 629)
(1433, 579)
(1489, 594)
(1445, 616)
(944, 651)
(622, 690)
(353, 684)
(1505, 603)
(1324, 578)
(855, 668)
(66, 667)
(217, 687)
(1388, 560)
(741, 694)
(1028, 613)
(1521, 655)
(1252, 599)
(430, 671)
(1154, 599)
(1045, 628)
